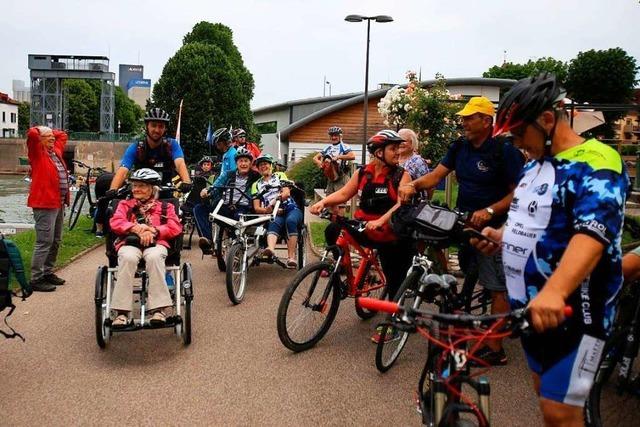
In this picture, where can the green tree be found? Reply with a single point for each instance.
(83, 105)
(510, 70)
(24, 117)
(602, 76)
(212, 83)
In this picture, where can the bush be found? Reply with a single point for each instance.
(306, 173)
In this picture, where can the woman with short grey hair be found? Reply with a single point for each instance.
(410, 160)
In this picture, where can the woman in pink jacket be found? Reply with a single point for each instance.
(143, 233)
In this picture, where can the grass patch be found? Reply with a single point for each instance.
(317, 233)
(73, 242)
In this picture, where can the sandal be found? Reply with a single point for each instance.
(121, 321)
(267, 253)
(158, 318)
(291, 263)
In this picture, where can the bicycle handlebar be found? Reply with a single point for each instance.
(356, 224)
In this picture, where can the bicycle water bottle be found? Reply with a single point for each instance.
(439, 399)
(169, 279)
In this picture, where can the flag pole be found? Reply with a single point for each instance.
(179, 121)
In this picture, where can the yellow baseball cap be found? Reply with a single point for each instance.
(478, 104)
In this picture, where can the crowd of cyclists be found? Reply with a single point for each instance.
(547, 204)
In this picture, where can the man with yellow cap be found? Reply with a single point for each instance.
(487, 171)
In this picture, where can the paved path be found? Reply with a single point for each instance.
(236, 372)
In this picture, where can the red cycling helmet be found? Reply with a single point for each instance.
(382, 139)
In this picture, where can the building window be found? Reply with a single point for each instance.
(267, 127)
(13, 117)
(4, 117)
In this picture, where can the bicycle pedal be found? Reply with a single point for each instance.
(344, 290)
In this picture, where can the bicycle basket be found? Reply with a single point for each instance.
(424, 222)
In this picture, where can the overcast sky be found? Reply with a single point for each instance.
(289, 45)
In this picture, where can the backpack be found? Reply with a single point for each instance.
(11, 261)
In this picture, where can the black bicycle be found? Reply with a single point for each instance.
(614, 399)
(84, 192)
(435, 227)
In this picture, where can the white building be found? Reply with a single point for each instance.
(8, 117)
(21, 93)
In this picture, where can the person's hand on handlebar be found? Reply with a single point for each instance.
(204, 193)
(485, 246)
(406, 192)
(376, 224)
(316, 208)
(479, 218)
(185, 187)
(547, 309)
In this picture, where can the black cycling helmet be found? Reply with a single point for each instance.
(382, 139)
(205, 159)
(238, 133)
(526, 100)
(243, 152)
(146, 175)
(335, 130)
(156, 115)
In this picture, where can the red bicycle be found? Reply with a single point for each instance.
(446, 379)
(310, 302)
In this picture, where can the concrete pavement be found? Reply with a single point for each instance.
(236, 372)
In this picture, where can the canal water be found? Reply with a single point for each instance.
(14, 190)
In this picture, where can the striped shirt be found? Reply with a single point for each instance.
(63, 177)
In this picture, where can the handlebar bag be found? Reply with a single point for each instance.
(424, 222)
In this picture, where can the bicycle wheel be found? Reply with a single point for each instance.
(308, 306)
(372, 280)
(236, 276)
(76, 207)
(301, 247)
(187, 298)
(387, 352)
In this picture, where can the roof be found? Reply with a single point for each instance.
(4, 99)
(359, 98)
(296, 102)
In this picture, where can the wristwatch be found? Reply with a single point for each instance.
(490, 211)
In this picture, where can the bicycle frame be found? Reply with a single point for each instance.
(368, 260)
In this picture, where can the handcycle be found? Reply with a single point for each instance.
(84, 192)
(310, 302)
(241, 248)
(446, 377)
(435, 226)
(180, 288)
(614, 399)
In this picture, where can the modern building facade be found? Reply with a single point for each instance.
(21, 92)
(8, 116)
(139, 91)
(128, 72)
(293, 129)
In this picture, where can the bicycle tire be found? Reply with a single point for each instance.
(387, 353)
(76, 208)
(379, 293)
(187, 298)
(312, 303)
(301, 247)
(102, 331)
(220, 252)
(236, 274)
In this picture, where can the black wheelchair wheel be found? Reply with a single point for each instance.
(303, 236)
(187, 296)
(220, 251)
(76, 208)
(103, 332)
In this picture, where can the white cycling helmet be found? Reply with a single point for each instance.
(146, 175)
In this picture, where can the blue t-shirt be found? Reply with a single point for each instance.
(482, 181)
(130, 155)
(581, 190)
(229, 160)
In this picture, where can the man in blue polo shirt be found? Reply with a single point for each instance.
(487, 171)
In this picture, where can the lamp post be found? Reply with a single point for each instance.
(360, 18)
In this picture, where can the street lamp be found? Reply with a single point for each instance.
(360, 18)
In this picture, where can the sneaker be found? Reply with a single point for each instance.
(54, 280)
(42, 285)
(391, 335)
(205, 245)
(490, 357)
(99, 234)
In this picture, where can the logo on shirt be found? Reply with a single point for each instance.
(532, 208)
(541, 189)
(381, 190)
(482, 166)
(514, 204)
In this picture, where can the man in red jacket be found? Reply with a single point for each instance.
(48, 194)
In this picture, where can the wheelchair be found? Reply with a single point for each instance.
(237, 243)
(179, 280)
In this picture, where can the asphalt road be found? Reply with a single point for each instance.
(236, 372)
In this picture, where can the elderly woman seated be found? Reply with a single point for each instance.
(143, 233)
